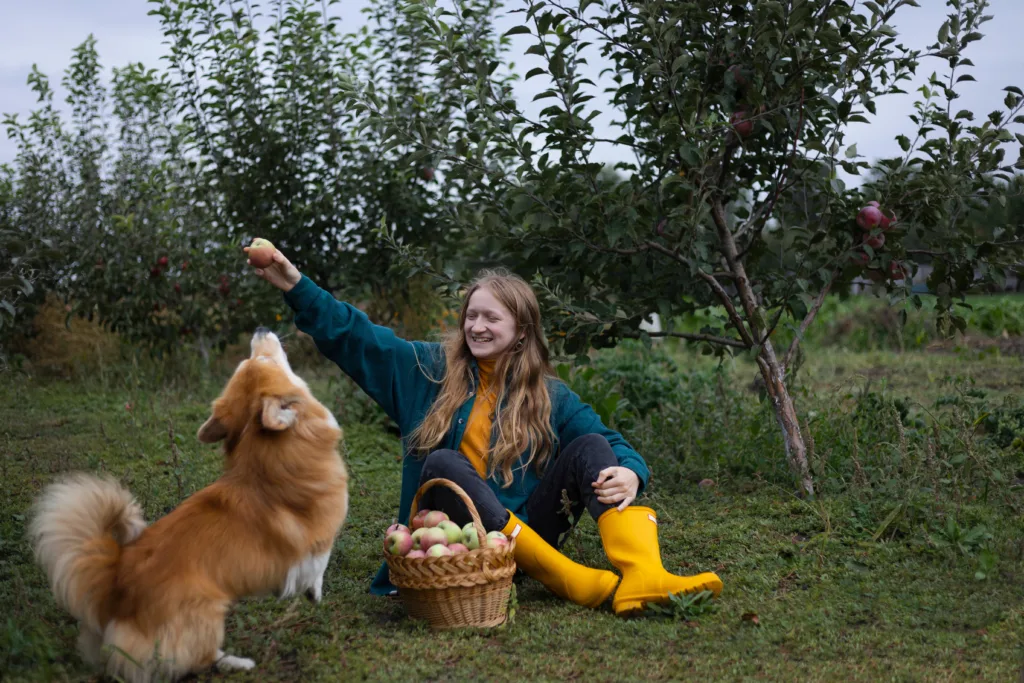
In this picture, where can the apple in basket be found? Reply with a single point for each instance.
(469, 537)
(496, 539)
(397, 527)
(431, 537)
(434, 518)
(398, 542)
(438, 551)
(417, 521)
(457, 548)
(416, 554)
(451, 530)
(417, 536)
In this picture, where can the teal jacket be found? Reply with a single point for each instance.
(401, 376)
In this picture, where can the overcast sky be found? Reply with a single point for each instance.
(44, 32)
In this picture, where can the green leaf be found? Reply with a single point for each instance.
(517, 30)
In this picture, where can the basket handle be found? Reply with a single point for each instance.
(458, 490)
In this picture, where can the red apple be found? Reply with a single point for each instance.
(184, 265)
(741, 123)
(875, 241)
(417, 535)
(438, 551)
(427, 173)
(496, 539)
(860, 258)
(431, 537)
(457, 548)
(417, 521)
(396, 527)
(738, 76)
(177, 287)
(415, 554)
(261, 252)
(897, 270)
(869, 217)
(155, 271)
(434, 518)
(162, 262)
(398, 542)
(874, 204)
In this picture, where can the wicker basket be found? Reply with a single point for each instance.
(455, 591)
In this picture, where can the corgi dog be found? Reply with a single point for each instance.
(151, 599)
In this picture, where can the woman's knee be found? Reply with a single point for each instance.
(442, 461)
(589, 443)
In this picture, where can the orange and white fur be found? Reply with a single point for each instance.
(151, 600)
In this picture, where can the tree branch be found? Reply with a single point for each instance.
(713, 339)
(806, 322)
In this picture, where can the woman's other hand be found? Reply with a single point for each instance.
(617, 485)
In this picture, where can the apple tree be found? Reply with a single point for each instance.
(734, 137)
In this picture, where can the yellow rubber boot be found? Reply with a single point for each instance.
(630, 540)
(563, 577)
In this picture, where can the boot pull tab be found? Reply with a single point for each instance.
(652, 518)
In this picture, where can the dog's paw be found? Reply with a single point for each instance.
(314, 595)
(229, 663)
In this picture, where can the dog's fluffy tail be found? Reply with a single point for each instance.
(78, 527)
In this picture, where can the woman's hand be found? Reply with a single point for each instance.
(281, 273)
(615, 484)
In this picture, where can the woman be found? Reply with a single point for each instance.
(485, 410)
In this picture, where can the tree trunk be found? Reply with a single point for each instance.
(774, 376)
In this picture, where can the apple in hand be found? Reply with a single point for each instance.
(431, 537)
(434, 518)
(261, 252)
(469, 537)
(451, 531)
(398, 542)
(438, 551)
(417, 521)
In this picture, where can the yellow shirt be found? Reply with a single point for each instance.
(476, 440)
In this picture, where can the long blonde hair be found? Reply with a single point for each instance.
(523, 405)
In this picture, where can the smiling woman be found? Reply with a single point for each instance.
(484, 409)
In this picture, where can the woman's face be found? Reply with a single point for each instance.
(490, 327)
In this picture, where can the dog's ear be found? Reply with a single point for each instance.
(212, 431)
(277, 414)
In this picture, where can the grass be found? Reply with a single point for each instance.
(808, 595)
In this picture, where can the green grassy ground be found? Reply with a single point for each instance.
(807, 595)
